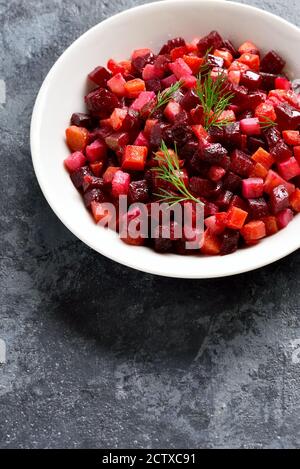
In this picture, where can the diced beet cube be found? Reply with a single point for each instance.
(117, 140)
(273, 180)
(134, 158)
(93, 195)
(96, 151)
(190, 100)
(172, 44)
(250, 126)
(168, 81)
(230, 242)
(216, 173)
(252, 188)
(139, 62)
(251, 80)
(230, 47)
(117, 84)
(272, 136)
(92, 182)
(189, 149)
(279, 199)
(232, 134)
(289, 169)
(100, 76)
(150, 72)
(282, 83)
(139, 191)
(238, 202)
(78, 176)
(232, 182)
(75, 161)
(281, 151)
(160, 243)
(109, 174)
(141, 140)
(120, 183)
(258, 208)
(172, 110)
(284, 218)
(216, 154)
(144, 98)
(180, 69)
(101, 102)
(210, 209)
(202, 187)
(153, 85)
(82, 120)
(216, 223)
(287, 116)
(268, 81)
(214, 61)
(224, 199)
(272, 63)
(212, 41)
(241, 164)
(254, 143)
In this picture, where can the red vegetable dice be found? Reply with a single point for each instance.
(253, 231)
(236, 218)
(252, 188)
(295, 200)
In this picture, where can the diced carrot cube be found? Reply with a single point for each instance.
(193, 62)
(225, 55)
(109, 174)
(237, 66)
(295, 200)
(228, 116)
(253, 231)
(211, 244)
(77, 138)
(178, 52)
(236, 218)
(297, 153)
(264, 112)
(134, 158)
(271, 225)
(114, 67)
(248, 48)
(251, 60)
(259, 171)
(291, 137)
(263, 157)
(200, 132)
(134, 87)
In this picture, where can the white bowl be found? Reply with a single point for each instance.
(63, 91)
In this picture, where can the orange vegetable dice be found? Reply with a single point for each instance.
(225, 55)
(236, 218)
(248, 48)
(259, 171)
(178, 52)
(134, 158)
(211, 244)
(134, 87)
(253, 231)
(193, 62)
(271, 225)
(295, 200)
(252, 60)
(263, 157)
(77, 138)
(109, 174)
(291, 137)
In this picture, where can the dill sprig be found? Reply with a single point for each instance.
(267, 123)
(169, 171)
(213, 98)
(164, 97)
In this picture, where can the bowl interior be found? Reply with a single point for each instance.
(63, 91)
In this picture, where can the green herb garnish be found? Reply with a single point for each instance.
(169, 171)
(214, 99)
(267, 123)
(164, 97)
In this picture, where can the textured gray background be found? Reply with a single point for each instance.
(102, 356)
